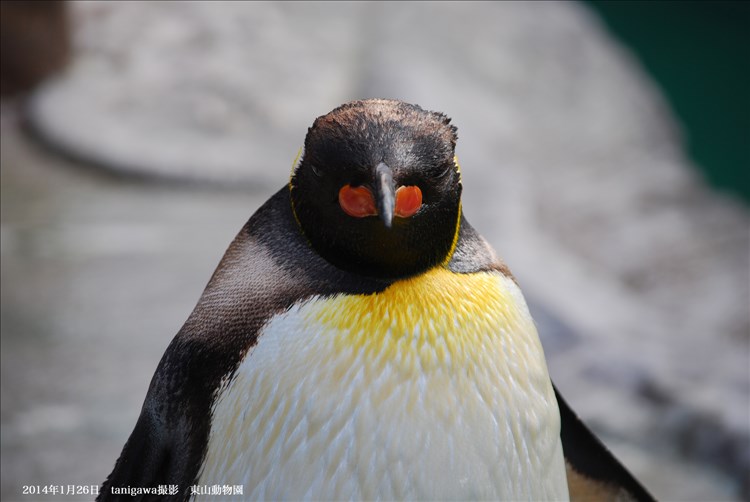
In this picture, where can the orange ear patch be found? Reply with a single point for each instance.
(357, 201)
(408, 201)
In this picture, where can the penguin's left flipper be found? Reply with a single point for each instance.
(164, 451)
(143, 462)
(594, 474)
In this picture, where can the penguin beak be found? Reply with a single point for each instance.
(385, 193)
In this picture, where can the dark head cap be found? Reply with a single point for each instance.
(378, 191)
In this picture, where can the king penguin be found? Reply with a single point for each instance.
(359, 340)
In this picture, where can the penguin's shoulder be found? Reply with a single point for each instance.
(268, 268)
(472, 253)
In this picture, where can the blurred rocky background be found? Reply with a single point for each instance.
(585, 163)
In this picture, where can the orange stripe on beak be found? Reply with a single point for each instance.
(408, 201)
(357, 201)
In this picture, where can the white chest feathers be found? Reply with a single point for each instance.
(435, 388)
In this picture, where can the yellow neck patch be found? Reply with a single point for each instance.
(436, 319)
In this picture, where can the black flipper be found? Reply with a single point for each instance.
(593, 472)
(144, 463)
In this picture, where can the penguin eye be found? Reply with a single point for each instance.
(316, 170)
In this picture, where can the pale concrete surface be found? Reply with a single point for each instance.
(573, 169)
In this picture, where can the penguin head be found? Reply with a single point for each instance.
(377, 191)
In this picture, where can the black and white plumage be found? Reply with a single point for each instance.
(361, 340)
